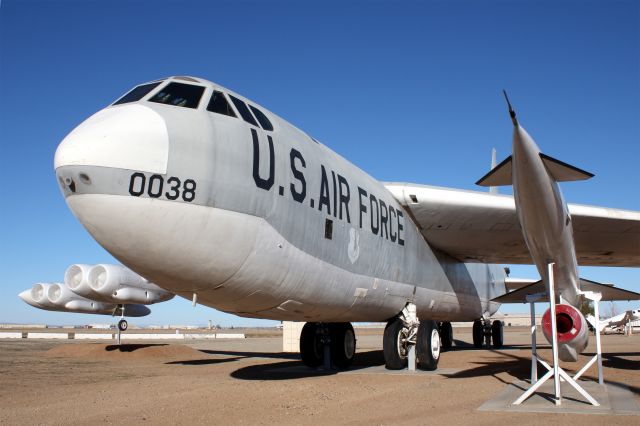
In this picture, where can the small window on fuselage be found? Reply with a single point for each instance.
(264, 121)
(137, 93)
(179, 94)
(243, 110)
(220, 105)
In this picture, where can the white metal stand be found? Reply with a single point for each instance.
(555, 371)
(410, 319)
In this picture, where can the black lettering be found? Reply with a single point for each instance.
(152, 180)
(375, 226)
(400, 227)
(189, 190)
(392, 212)
(267, 183)
(363, 208)
(335, 194)
(324, 191)
(175, 189)
(298, 196)
(132, 183)
(344, 196)
(383, 220)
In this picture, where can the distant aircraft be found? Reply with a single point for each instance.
(615, 323)
(99, 289)
(216, 199)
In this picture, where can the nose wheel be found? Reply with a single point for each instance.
(123, 325)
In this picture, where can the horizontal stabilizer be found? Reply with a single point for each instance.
(563, 172)
(500, 175)
(608, 291)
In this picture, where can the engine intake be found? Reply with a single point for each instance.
(572, 331)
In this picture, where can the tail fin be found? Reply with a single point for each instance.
(592, 320)
(498, 176)
(563, 172)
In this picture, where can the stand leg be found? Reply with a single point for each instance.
(596, 311)
(554, 338)
(534, 353)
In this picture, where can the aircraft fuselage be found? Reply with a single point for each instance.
(259, 223)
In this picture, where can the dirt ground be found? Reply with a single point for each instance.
(251, 382)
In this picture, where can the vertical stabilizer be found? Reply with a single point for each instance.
(493, 189)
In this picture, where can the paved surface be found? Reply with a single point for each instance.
(251, 382)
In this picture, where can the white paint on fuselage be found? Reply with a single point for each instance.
(258, 252)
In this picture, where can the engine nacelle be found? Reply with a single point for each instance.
(140, 295)
(61, 296)
(122, 285)
(38, 295)
(76, 277)
(58, 297)
(573, 332)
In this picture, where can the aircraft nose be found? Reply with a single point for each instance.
(132, 137)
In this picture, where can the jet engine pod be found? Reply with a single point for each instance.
(573, 334)
(106, 279)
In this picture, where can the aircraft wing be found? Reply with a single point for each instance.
(608, 292)
(483, 227)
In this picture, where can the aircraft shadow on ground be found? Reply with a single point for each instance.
(290, 370)
(205, 361)
(132, 347)
(231, 356)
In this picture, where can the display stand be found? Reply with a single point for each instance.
(555, 371)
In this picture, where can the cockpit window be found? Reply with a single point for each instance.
(137, 93)
(264, 121)
(219, 104)
(179, 94)
(243, 110)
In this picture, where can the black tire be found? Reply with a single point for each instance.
(311, 347)
(446, 336)
(428, 345)
(478, 334)
(123, 325)
(497, 334)
(343, 345)
(395, 358)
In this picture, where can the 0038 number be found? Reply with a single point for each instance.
(155, 185)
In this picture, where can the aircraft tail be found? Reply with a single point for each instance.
(592, 320)
(559, 170)
(500, 175)
(563, 172)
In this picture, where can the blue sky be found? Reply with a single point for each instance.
(406, 90)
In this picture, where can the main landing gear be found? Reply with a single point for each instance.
(484, 331)
(331, 345)
(405, 331)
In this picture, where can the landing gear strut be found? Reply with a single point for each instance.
(484, 331)
(404, 334)
(331, 345)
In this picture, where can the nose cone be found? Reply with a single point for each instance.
(132, 137)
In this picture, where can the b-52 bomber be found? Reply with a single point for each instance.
(212, 197)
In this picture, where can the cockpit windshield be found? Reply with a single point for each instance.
(137, 93)
(179, 94)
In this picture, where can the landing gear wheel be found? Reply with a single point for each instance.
(478, 333)
(343, 344)
(497, 334)
(123, 325)
(311, 347)
(428, 345)
(446, 335)
(394, 345)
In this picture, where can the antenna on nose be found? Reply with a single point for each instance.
(512, 113)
